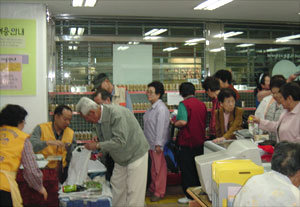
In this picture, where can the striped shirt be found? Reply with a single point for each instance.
(32, 174)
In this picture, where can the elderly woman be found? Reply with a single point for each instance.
(156, 130)
(228, 117)
(288, 125)
(16, 149)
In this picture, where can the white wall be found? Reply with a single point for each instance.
(37, 105)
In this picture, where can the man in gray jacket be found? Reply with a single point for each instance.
(121, 135)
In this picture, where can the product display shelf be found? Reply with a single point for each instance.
(139, 101)
(74, 113)
(71, 93)
(171, 110)
(197, 91)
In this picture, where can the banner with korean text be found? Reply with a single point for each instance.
(17, 57)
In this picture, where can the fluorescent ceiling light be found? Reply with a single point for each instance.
(227, 34)
(212, 4)
(77, 3)
(169, 49)
(158, 32)
(80, 31)
(155, 32)
(217, 49)
(287, 38)
(73, 31)
(75, 47)
(195, 40)
(70, 47)
(245, 51)
(151, 38)
(273, 49)
(244, 45)
(67, 75)
(190, 43)
(121, 48)
(86, 3)
(90, 3)
(277, 49)
(133, 43)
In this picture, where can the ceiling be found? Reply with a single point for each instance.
(245, 10)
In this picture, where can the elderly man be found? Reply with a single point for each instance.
(125, 141)
(102, 96)
(55, 138)
(278, 187)
(120, 95)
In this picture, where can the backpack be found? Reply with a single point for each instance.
(171, 153)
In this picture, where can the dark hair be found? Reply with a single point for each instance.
(59, 109)
(159, 88)
(286, 158)
(186, 89)
(98, 80)
(12, 115)
(224, 75)
(211, 83)
(104, 94)
(226, 93)
(260, 80)
(277, 81)
(290, 89)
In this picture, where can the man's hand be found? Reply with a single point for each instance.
(95, 139)
(57, 143)
(158, 149)
(44, 193)
(218, 140)
(92, 146)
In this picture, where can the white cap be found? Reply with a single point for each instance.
(85, 104)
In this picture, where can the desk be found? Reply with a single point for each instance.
(199, 196)
(32, 198)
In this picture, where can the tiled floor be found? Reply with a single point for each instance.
(170, 199)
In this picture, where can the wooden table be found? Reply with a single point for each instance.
(199, 196)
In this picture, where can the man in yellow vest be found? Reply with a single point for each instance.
(55, 138)
(16, 149)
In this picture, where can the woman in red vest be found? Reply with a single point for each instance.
(191, 120)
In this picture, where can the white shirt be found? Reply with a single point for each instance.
(99, 121)
(262, 110)
(268, 189)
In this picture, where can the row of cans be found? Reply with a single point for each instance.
(83, 135)
(52, 107)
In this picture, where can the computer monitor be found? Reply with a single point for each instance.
(238, 149)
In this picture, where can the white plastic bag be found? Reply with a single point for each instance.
(95, 166)
(78, 169)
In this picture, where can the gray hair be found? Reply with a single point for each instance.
(85, 105)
